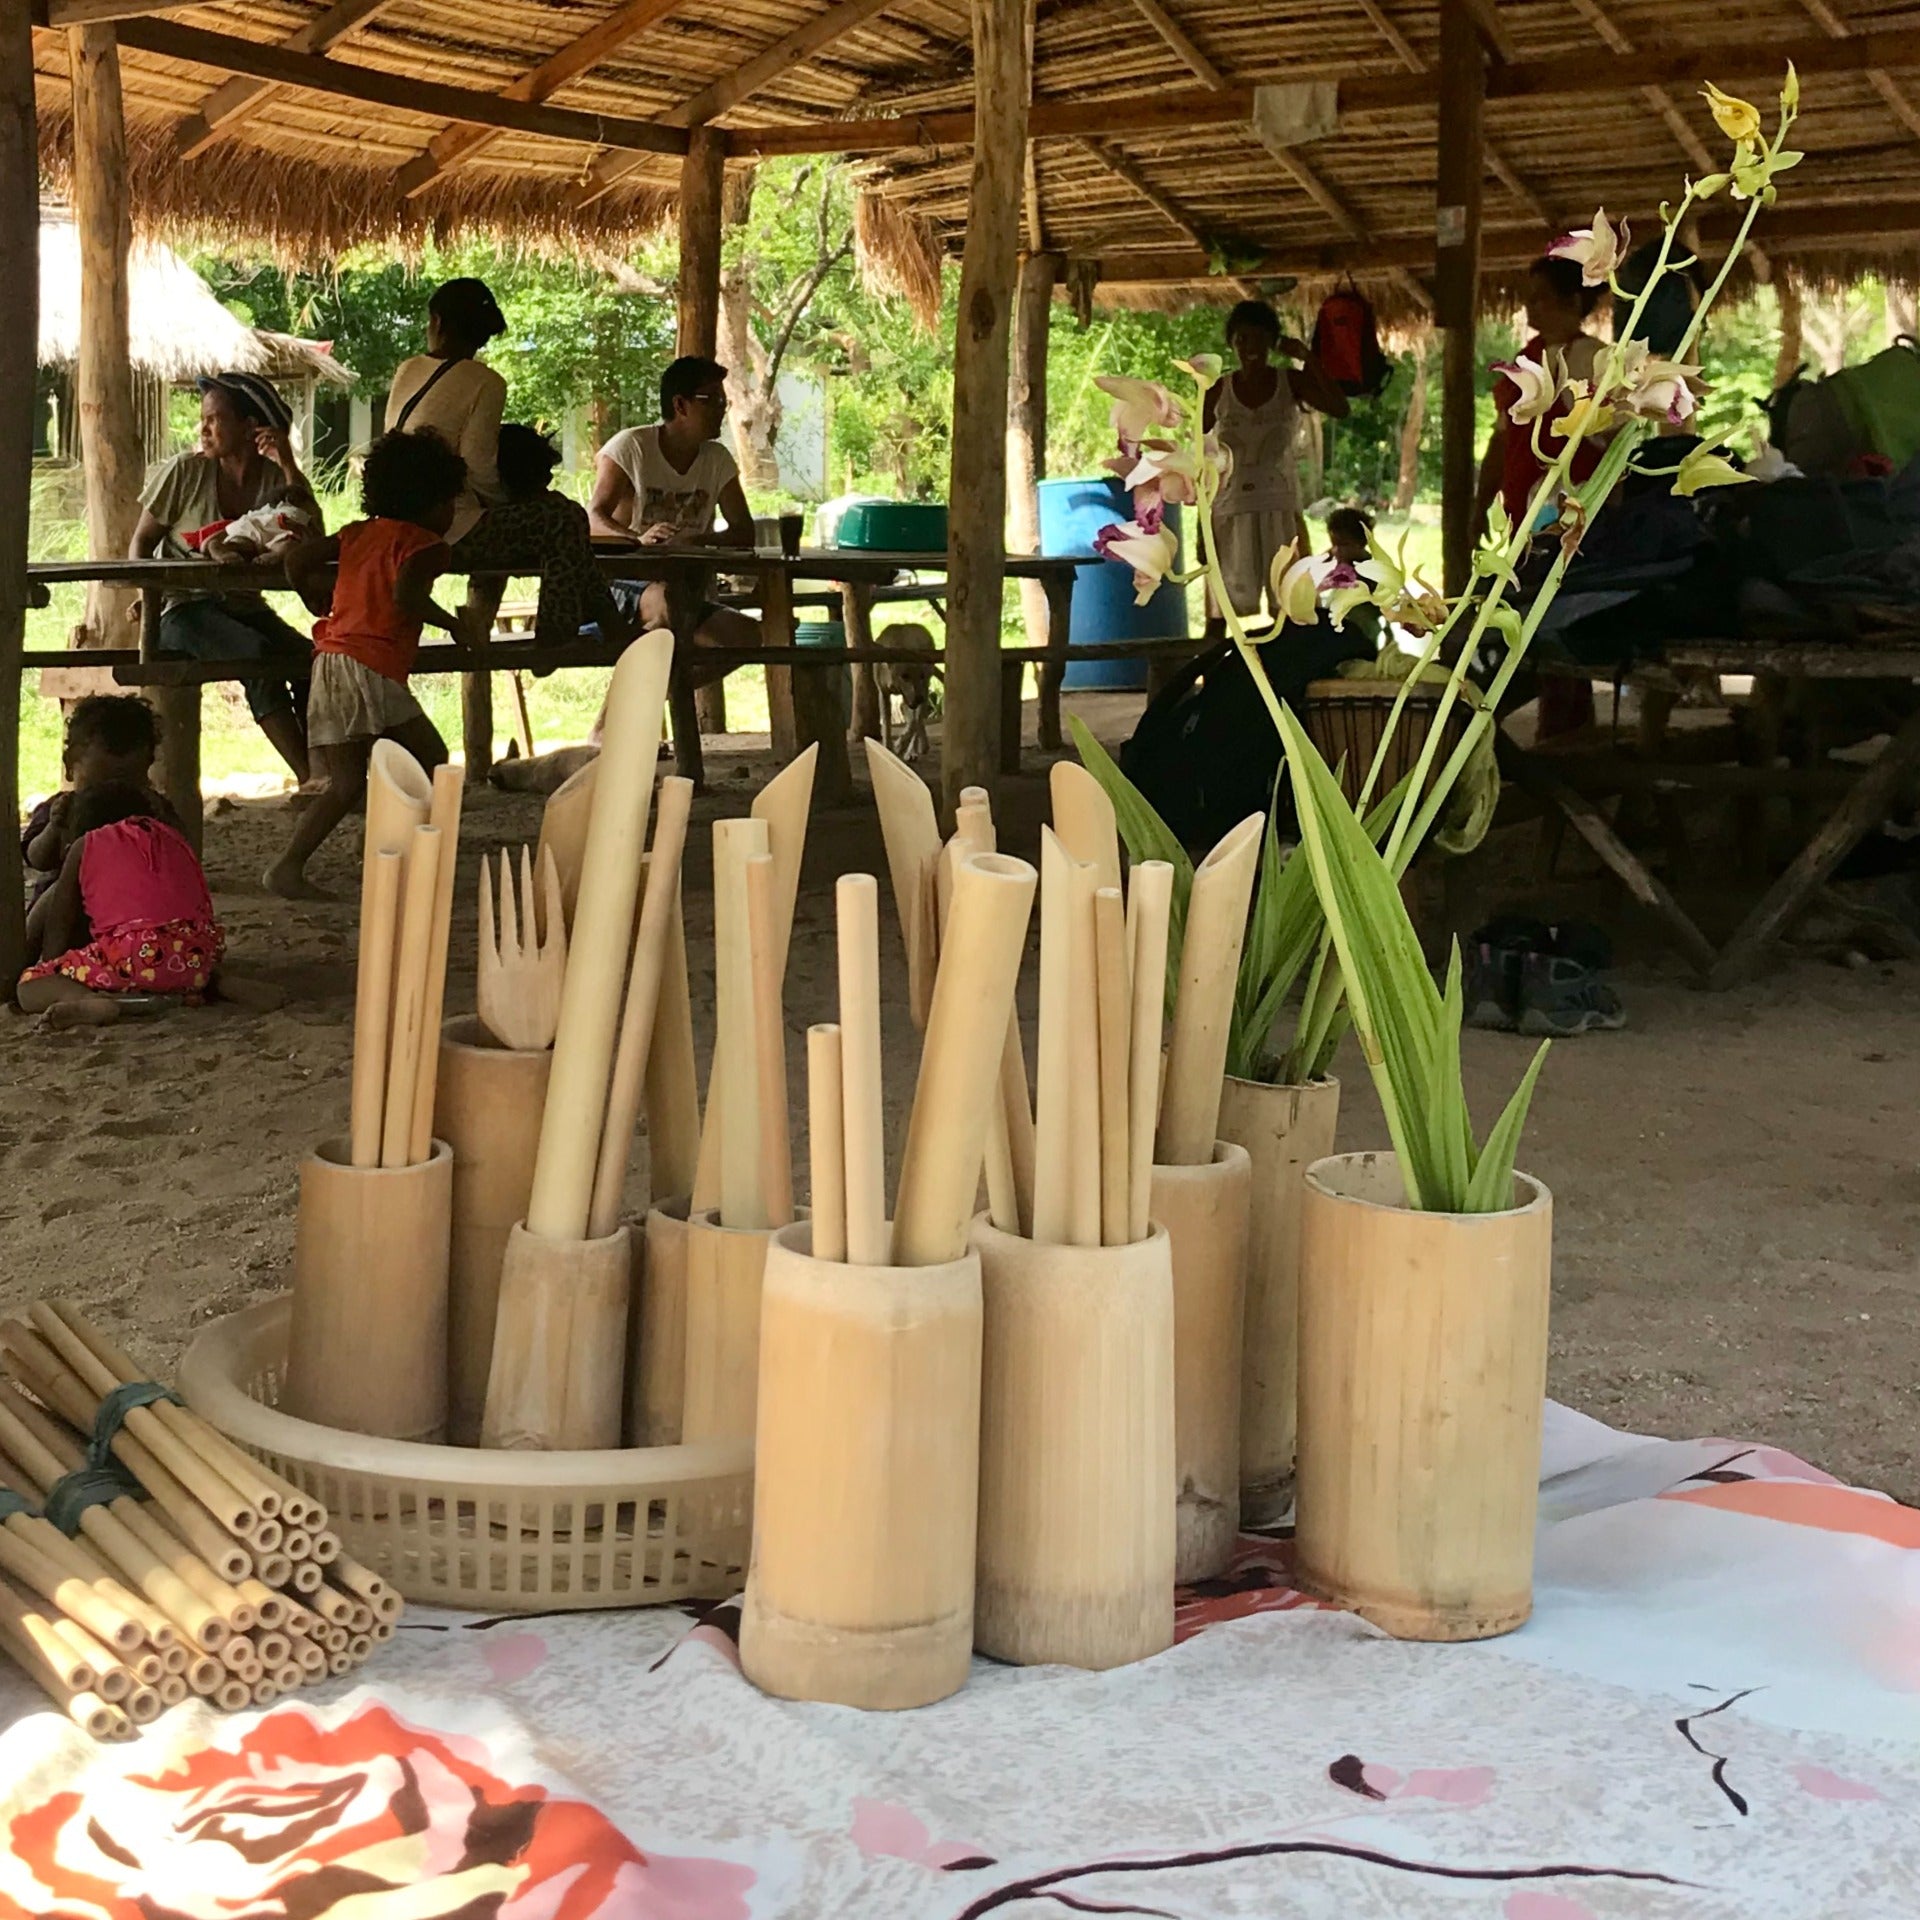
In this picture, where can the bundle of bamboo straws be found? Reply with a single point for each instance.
(192, 1570)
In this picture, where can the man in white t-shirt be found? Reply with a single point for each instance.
(666, 485)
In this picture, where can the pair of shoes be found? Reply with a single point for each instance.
(1561, 997)
(1524, 976)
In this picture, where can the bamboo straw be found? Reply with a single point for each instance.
(769, 1039)
(205, 1674)
(673, 1078)
(32, 1623)
(912, 837)
(339, 1663)
(373, 1005)
(856, 898)
(110, 1622)
(1083, 1043)
(359, 1647)
(449, 788)
(1052, 1153)
(367, 1586)
(175, 1658)
(959, 1065)
(413, 956)
(150, 1668)
(1203, 1004)
(744, 1200)
(265, 1690)
(122, 1618)
(110, 1678)
(1115, 1024)
(784, 804)
(142, 1706)
(1149, 911)
(326, 1546)
(640, 1015)
(237, 1655)
(310, 1659)
(381, 1632)
(274, 1649)
(278, 1571)
(297, 1545)
(192, 1572)
(232, 1695)
(84, 1707)
(1083, 818)
(172, 1690)
(827, 1143)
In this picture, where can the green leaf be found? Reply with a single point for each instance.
(1286, 927)
(1491, 1189)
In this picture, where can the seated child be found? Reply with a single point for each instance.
(364, 647)
(129, 913)
(1347, 531)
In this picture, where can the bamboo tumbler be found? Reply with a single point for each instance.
(912, 837)
(856, 906)
(827, 1143)
(1204, 1212)
(563, 833)
(558, 1376)
(736, 1079)
(1083, 818)
(1076, 1542)
(1203, 1003)
(449, 790)
(487, 1110)
(960, 1062)
(721, 1384)
(1423, 1366)
(367, 1349)
(673, 1078)
(866, 1482)
(1284, 1130)
(1149, 909)
(413, 956)
(657, 1364)
(1053, 1070)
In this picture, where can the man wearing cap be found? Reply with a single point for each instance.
(245, 460)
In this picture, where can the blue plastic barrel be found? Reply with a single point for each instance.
(1072, 512)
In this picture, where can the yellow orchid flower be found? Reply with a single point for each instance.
(1738, 119)
(1706, 466)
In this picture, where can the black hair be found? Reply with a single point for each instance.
(407, 475)
(1256, 314)
(101, 806)
(684, 378)
(121, 724)
(467, 309)
(526, 459)
(252, 398)
(1349, 521)
(1565, 281)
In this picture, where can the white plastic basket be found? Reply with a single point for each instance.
(499, 1532)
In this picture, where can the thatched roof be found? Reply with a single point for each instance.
(178, 329)
(1146, 160)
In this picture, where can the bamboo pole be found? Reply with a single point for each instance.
(856, 904)
(736, 1082)
(1149, 910)
(784, 804)
(449, 792)
(372, 1007)
(673, 1079)
(84, 1707)
(1083, 1044)
(563, 833)
(769, 1040)
(911, 833)
(1115, 1023)
(1053, 1072)
(826, 1144)
(413, 956)
(109, 1619)
(1083, 817)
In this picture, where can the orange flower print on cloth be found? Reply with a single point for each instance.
(299, 1819)
(179, 957)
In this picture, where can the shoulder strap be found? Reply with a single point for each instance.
(433, 380)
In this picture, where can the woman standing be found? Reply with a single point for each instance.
(448, 391)
(1255, 411)
(245, 460)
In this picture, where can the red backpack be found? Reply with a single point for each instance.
(1347, 343)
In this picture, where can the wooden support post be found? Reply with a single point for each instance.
(1456, 280)
(1051, 675)
(977, 490)
(776, 630)
(856, 614)
(20, 275)
(1027, 426)
(702, 219)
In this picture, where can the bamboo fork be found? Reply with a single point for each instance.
(519, 979)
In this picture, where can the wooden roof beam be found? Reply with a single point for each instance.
(457, 145)
(1894, 97)
(98, 13)
(1164, 204)
(1176, 36)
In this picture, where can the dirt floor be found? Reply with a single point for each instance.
(1737, 1205)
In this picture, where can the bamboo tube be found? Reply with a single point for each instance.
(150, 1668)
(724, 1269)
(912, 837)
(142, 1706)
(784, 803)
(339, 1663)
(673, 1079)
(1423, 1357)
(192, 1571)
(641, 1012)
(1203, 1004)
(769, 1041)
(171, 1691)
(1204, 1211)
(1076, 1544)
(107, 1674)
(326, 1546)
(52, 1666)
(265, 1690)
(232, 1695)
(310, 1659)
(826, 1143)
(597, 951)
(373, 1003)
(289, 1676)
(449, 787)
(381, 1632)
(175, 1659)
(857, 911)
(559, 1355)
(113, 1624)
(960, 1064)
(1083, 818)
(205, 1674)
(413, 955)
(1083, 1045)
(358, 1648)
(1115, 1021)
(367, 1349)
(706, 1170)
(333, 1637)
(656, 1366)
(52, 1431)
(488, 1113)
(1149, 911)
(273, 1649)
(743, 1195)
(563, 833)
(866, 1481)
(297, 1545)
(277, 1570)
(237, 1655)
(1016, 1126)
(1053, 1072)
(35, 1626)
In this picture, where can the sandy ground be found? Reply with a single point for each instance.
(1737, 1208)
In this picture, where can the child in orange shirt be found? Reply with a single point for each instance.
(364, 648)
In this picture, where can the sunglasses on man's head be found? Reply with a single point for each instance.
(711, 397)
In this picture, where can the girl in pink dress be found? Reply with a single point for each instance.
(130, 913)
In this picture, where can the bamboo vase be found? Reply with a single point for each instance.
(657, 1361)
(1076, 1550)
(1204, 1210)
(367, 1350)
(1284, 1130)
(867, 1482)
(720, 1385)
(487, 1109)
(1423, 1366)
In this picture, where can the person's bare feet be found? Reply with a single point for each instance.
(96, 1010)
(290, 882)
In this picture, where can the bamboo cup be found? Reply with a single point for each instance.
(725, 1268)
(559, 1351)
(1149, 910)
(1423, 1364)
(657, 1364)
(1284, 1130)
(413, 956)
(449, 789)
(912, 837)
(1203, 1003)
(856, 907)
(487, 1110)
(673, 1079)
(563, 833)
(1083, 818)
(367, 1349)
(866, 1489)
(1204, 1212)
(1076, 1542)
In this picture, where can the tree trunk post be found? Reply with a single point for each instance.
(1027, 458)
(703, 180)
(1412, 424)
(20, 273)
(977, 490)
(1456, 280)
(1788, 360)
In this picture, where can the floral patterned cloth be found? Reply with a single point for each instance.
(1713, 1715)
(179, 957)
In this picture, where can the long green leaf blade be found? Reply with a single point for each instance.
(1491, 1189)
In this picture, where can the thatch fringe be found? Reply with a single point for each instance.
(897, 254)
